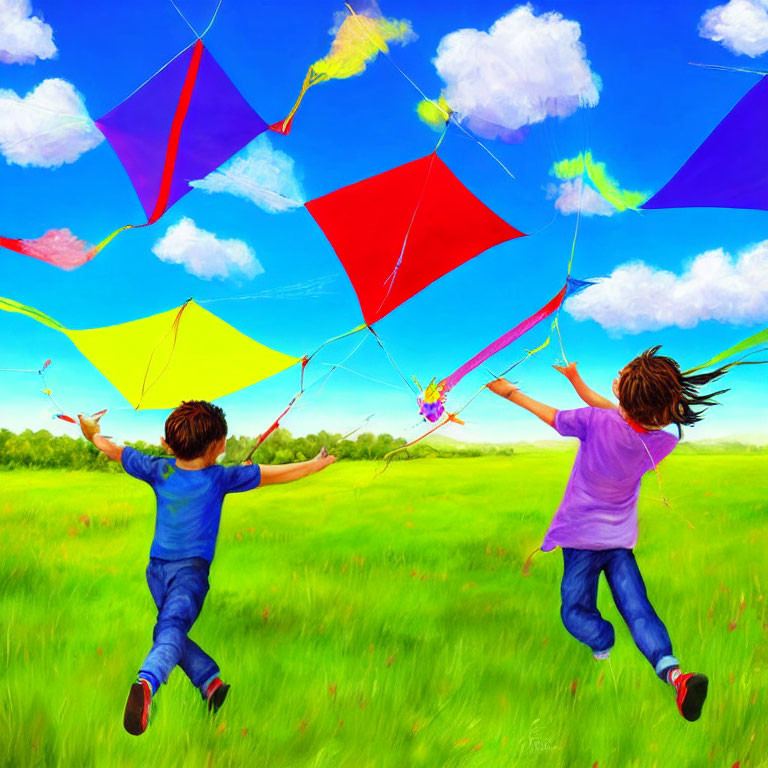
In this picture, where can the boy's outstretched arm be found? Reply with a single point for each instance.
(510, 392)
(271, 474)
(92, 432)
(589, 396)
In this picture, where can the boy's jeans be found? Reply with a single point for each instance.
(178, 588)
(579, 610)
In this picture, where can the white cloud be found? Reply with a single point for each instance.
(569, 196)
(47, 127)
(524, 69)
(740, 25)
(23, 37)
(261, 174)
(205, 255)
(714, 286)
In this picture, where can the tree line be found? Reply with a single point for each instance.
(42, 450)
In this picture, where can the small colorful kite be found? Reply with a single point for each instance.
(432, 401)
(183, 123)
(359, 36)
(399, 231)
(46, 390)
(730, 168)
(186, 353)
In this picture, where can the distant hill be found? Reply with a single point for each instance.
(450, 443)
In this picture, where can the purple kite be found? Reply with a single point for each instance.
(730, 168)
(179, 126)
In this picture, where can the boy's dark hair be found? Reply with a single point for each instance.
(193, 427)
(654, 391)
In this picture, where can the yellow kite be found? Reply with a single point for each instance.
(186, 353)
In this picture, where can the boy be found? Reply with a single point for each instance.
(189, 489)
(596, 523)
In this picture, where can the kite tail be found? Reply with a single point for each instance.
(503, 341)
(107, 240)
(761, 337)
(284, 126)
(12, 244)
(9, 305)
(275, 424)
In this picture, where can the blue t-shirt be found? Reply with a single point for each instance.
(188, 502)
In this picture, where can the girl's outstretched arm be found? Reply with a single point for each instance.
(510, 392)
(589, 396)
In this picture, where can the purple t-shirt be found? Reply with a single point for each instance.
(599, 508)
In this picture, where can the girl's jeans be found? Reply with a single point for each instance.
(579, 609)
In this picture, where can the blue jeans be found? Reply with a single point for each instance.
(178, 588)
(582, 568)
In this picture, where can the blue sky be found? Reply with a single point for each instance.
(654, 110)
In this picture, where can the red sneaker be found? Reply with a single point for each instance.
(137, 708)
(691, 693)
(215, 694)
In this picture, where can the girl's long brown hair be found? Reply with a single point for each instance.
(655, 392)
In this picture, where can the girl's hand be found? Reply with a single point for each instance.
(569, 371)
(502, 387)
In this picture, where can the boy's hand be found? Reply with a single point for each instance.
(322, 460)
(90, 425)
(569, 371)
(502, 387)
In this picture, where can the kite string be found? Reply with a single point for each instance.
(302, 389)
(47, 391)
(213, 18)
(167, 63)
(556, 321)
(20, 370)
(358, 428)
(27, 105)
(482, 146)
(173, 329)
(335, 366)
(307, 358)
(309, 288)
(449, 116)
(186, 21)
(392, 360)
(184, 18)
(365, 376)
(723, 68)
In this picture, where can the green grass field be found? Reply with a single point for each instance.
(384, 621)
